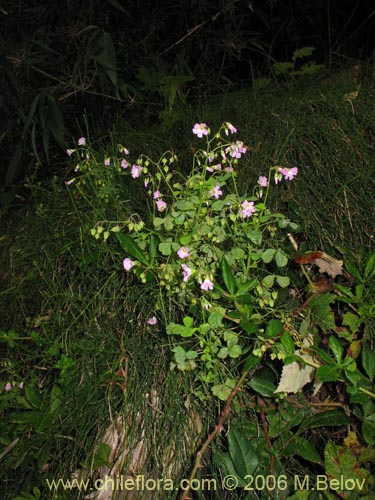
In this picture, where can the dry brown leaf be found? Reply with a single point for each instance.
(329, 265)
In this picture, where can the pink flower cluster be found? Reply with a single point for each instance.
(160, 204)
(288, 173)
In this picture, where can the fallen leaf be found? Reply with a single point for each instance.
(294, 376)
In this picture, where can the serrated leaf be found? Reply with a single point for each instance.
(294, 376)
(353, 321)
(328, 373)
(340, 462)
(274, 327)
(287, 342)
(322, 313)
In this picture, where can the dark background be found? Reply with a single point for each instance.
(61, 60)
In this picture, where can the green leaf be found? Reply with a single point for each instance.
(303, 448)
(302, 52)
(329, 418)
(185, 205)
(340, 462)
(153, 248)
(255, 237)
(55, 398)
(215, 319)
(287, 343)
(234, 351)
(283, 281)
(353, 321)
(368, 360)
(281, 258)
(249, 326)
(262, 383)
(238, 253)
(274, 327)
(33, 396)
(182, 330)
(322, 314)
(223, 391)
(223, 353)
(269, 281)
(242, 453)
(131, 247)
(251, 362)
(101, 456)
(370, 267)
(353, 271)
(245, 287)
(165, 248)
(268, 255)
(228, 276)
(188, 321)
(336, 348)
(328, 373)
(217, 205)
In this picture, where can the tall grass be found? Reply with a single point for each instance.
(81, 319)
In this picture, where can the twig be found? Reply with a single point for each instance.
(218, 428)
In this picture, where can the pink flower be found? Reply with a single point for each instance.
(8, 387)
(247, 209)
(201, 129)
(216, 192)
(186, 272)
(157, 195)
(20, 385)
(229, 127)
(161, 205)
(152, 321)
(107, 162)
(207, 285)
(236, 150)
(183, 252)
(68, 183)
(136, 171)
(128, 264)
(124, 163)
(69, 152)
(263, 181)
(288, 173)
(82, 141)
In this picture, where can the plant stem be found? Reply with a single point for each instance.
(218, 428)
